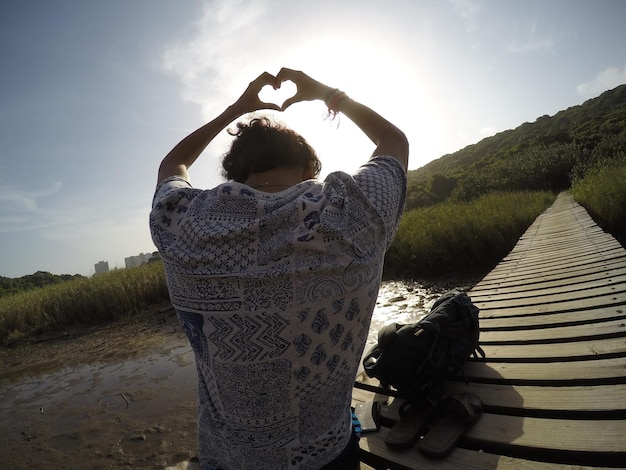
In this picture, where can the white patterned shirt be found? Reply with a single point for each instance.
(275, 292)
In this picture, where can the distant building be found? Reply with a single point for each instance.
(101, 267)
(141, 258)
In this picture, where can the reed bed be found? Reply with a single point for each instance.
(462, 238)
(113, 295)
(447, 240)
(603, 193)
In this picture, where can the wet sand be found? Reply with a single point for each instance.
(123, 395)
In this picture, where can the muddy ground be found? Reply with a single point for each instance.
(123, 394)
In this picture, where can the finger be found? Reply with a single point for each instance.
(271, 106)
(265, 78)
(285, 74)
(288, 102)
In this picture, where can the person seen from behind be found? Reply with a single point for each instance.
(274, 277)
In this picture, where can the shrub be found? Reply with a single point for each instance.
(462, 237)
(109, 296)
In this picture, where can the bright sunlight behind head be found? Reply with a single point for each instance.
(367, 70)
(134, 78)
(348, 65)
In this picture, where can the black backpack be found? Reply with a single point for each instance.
(415, 358)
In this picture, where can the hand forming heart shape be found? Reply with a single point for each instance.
(278, 96)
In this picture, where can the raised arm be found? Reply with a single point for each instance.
(389, 140)
(185, 153)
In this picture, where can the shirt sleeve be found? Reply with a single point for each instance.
(382, 180)
(170, 203)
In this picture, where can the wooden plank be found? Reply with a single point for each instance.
(563, 284)
(559, 333)
(509, 430)
(513, 435)
(575, 235)
(373, 444)
(565, 225)
(593, 372)
(584, 278)
(498, 310)
(516, 275)
(553, 325)
(595, 401)
(556, 401)
(605, 246)
(514, 278)
(592, 400)
(592, 315)
(462, 459)
(552, 295)
(601, 436)
(556, 351)
(568, 224)
(573, 256)
(513, 281)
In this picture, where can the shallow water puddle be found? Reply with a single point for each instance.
(127, 394)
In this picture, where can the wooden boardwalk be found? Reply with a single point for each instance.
(553, 327)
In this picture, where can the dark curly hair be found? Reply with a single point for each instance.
(262, 145)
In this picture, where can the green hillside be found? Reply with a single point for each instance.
(32, 281)
(466, 210)
(548, 154)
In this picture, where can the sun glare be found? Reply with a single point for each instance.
(368, 71)
(373, 75)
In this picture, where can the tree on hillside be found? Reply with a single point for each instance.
(441, 186)
(547, 154)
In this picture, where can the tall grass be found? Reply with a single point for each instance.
(447, 239)
(462, 238)
(105, 297)
(602, 191)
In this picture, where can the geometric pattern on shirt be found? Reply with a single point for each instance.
(275, 242)
(324, 288)
(327, 338)
(266, 294)
(389, 198)
(351, 220)
(257, 392)
(230, 248)
(347, 221)
(245, 338)
(260, 425)
(203, 292)
(316, 408)
(314, 404)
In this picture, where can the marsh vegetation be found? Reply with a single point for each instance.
(464, 212)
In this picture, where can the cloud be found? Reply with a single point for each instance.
(534, 42)
(605, 80)
(468, 11)
(22, 209)
(49, 214)
(221, 44)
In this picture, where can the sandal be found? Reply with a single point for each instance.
(458, 415)
(414, 415)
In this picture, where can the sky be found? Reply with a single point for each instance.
(95, 93)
